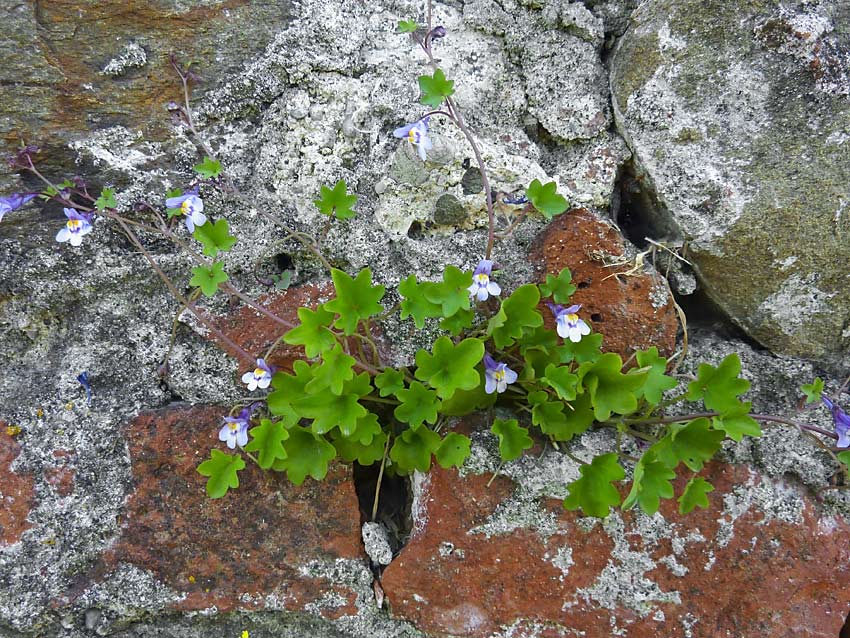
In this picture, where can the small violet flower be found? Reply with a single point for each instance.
(235, 429)
(497, 376)
(14, 202)
(191, 206)
(83, 378)
(259, 377)
(569, 325)
(417, 134)
(78, 224)
(482, 287)
(841, 420)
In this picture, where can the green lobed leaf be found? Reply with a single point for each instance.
(541, 339)
(215, 237)
(412, 450)
(208, 278)
(356, 299)
(307, 454)
(222, 470)
(560, 379)
(813, 390)
(588, 349)
(209, 168)
(106, 199)
(695, 495)
(610, 390)
(389, 381)
(313, 333)
(719, 387)
(560, 421)
(693, 444)
(435, 88)
(737, 422)
(367, 429)
(458, 322)
(336, 201)
(289, 388)
(545, 198)
(651, 483)
(560, 288)
(450, 367)
(330, 410)
(467, 401)
(513, 438)
(594, 492)
(418, 405)
(336, 368)
(844, 457)
(407, 26)
(656, 381)
(350, 450)
(267, 439)
(414, 302)
(453, 451)
(517, 316)
(452, 293)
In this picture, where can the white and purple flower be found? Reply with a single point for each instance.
(568, 323)
(417, 134)
(259, 377)
(482, 286)
(191, 206)
(78, 224)
(841, 420)
(14, 202)
(497, 376)
(235, 429)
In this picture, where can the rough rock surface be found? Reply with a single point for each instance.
(505, 559)
(737, 116)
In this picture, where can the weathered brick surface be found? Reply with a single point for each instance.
(632, 312)
(16, 492)
(745, 567)
(232, 553)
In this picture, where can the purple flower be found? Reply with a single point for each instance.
(191, 206)
(259, 377)
(481, 286)
(235, 429)
(841, 420)
(14, 202)
(78, 224)
(497, 375)
(416, 134)
(569, 325)
(83, 378)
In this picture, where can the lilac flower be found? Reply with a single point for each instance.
(417, 134)
(14, 202)
(481, 286)
(841, 420)
(78, 224)
(235, 429)
(191, 206)
(259, 377)
(497, 375)
(569, 325)
(83, 378)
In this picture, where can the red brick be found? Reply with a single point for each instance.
(628, 316)
(773, 578)
(256, 540)
(16, 492)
